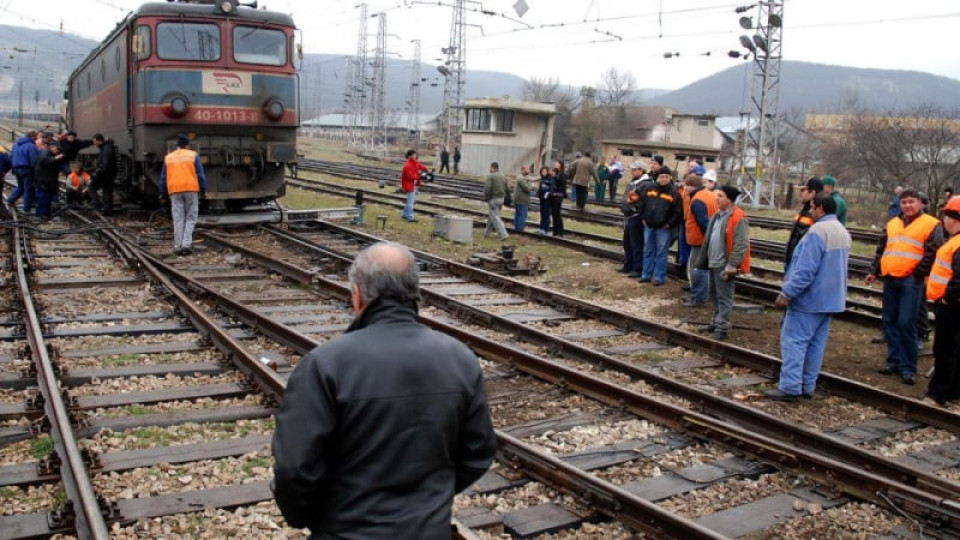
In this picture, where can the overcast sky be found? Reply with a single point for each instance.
(577, 40)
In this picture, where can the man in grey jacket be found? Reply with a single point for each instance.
(380, 427)
(494, 191)
(725, 253)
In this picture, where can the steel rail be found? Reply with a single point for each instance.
(707, 402)
(892, 403)
(90, 520)
(610, 499)
(862, 235)
(862, 475)
(267, 379)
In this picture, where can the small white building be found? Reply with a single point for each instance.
(510, 132)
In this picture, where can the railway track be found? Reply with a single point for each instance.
(863, 302)
(859, 266)
(559, 370)
(530, 325)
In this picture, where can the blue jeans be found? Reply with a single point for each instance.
(699, 279)
(408, 209)
(24, 184)
(683, 248)
(656, 248)
(633, 245)
(44, 198)
(544, 215)
(901, 304)
(803, 339)
(520, 217)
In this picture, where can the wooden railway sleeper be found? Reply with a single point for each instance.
(940, 517)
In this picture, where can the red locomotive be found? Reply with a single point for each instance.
(224, 74)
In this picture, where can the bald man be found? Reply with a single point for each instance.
(390, 391)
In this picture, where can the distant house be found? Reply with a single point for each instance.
(675, 135)
(338, 125)
(510, 132)
(675, 155)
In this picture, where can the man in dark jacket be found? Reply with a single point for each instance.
(70, 147)
(662, 211)
(803, 220)
(380, 427)
(24, 157)
(46, 178)
(633, 224)
(104, 173)
(444, 160)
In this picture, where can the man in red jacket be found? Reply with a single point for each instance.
(410, 181)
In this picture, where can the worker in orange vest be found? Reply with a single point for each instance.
(943, 289)
(182, 181)
(904, 257)
(78, 181)
(700, 206)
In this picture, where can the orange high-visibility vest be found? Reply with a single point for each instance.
(181, 172)
(904, 249)
(804, 220)
(709, 199)
(732, 222)
(76, 180)
(942, 270)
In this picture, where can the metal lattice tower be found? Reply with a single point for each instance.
(454, 69)
(763, 140)
(379, 87)
(356, 93)
(413, 101)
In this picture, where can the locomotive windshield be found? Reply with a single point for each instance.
(188, 41)
(252, 45)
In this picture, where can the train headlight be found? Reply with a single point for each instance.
(273, 108)
(178, 107)
(227, 6)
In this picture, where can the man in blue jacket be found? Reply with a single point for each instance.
(24, 156)
(814, 288)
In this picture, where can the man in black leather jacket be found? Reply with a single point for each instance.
(380, 427)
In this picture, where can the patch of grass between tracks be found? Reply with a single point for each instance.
(41, 447)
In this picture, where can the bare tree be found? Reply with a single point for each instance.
(920, 148)
(617, 88)
(564, 97)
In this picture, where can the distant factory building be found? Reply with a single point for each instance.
(510, 132)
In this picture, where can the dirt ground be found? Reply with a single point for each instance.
(850, 352)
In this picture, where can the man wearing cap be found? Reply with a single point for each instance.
(183, 180)
(830, 188)
(583, 171)
(904, 257)
(702, 207)
(24, 156)
(943, 289)
(803, 220)
(710, 180)
(813, 290)
(633, 229)
(725, 252)
(661, 211)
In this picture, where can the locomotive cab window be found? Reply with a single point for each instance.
(188, 41)
(141, 43)
(252, 45)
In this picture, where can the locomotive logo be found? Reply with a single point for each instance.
(227, 83)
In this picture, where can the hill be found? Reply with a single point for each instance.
(821, 88)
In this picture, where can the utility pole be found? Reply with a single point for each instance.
(356, 86)
(454, 69)
(413, 102)
(766, 46)
(20, 108)
(379, 79)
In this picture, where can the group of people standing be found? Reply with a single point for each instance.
(38, 159)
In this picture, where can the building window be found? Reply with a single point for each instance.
(478, 119)
(505, 121)
(711, 159)
(626, 152)
(703, 123)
